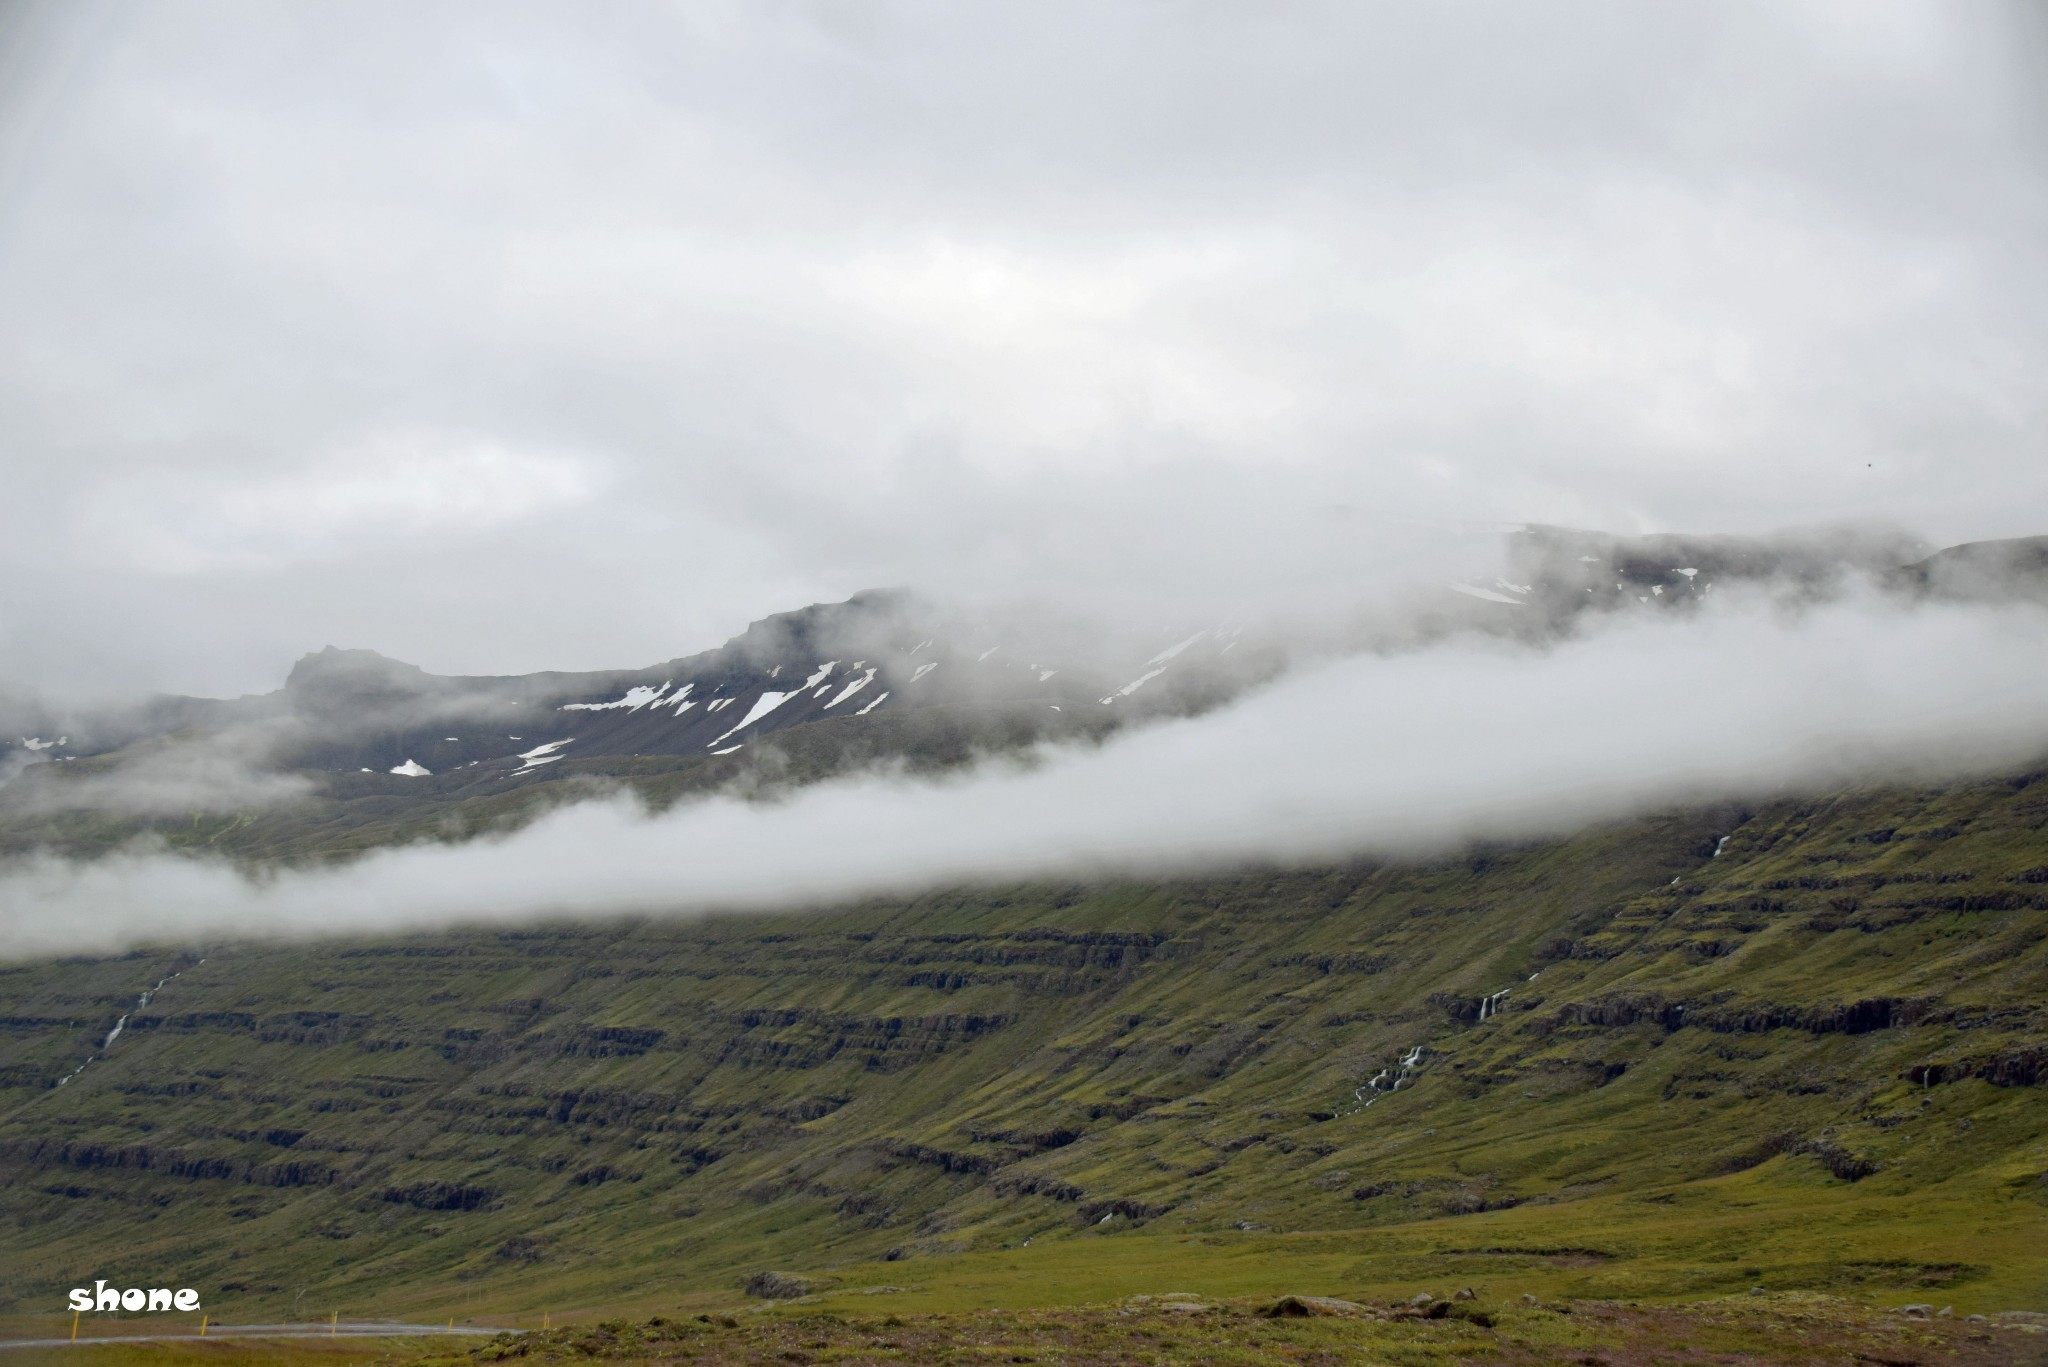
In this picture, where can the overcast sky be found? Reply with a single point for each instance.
(500, 337)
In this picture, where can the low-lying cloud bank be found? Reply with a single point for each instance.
(1370, 755)
(217, 773)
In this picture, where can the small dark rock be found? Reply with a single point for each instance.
(1303, 1307)
(784, 1286)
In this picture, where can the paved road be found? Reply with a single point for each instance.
(347, 1329)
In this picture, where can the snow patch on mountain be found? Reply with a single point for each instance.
(852, 687)
(1167, 654)
(635, 698)
(1135, 684)
(1488, 595)
(763, 705)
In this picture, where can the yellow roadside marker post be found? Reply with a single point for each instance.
(74, 1324)
(202, 1326)
(333, 1323)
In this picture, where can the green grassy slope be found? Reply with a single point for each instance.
(1812, 1061)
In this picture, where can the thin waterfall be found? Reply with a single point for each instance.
(148, 994)
(1378, 1085)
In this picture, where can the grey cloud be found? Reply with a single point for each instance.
(172, 778)
(1384, 755)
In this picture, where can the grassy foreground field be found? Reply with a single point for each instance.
(1181, 1328)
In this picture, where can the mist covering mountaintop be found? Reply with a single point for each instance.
(901, 743)
(359, 704)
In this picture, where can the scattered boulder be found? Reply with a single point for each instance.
(1303, 1307)
(1528, 1299)
(1420, 1299)
(1917, 1311)
(1465, 1293)
(521, 1248)
(784, 1286)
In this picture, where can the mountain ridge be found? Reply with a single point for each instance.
(358, 749)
